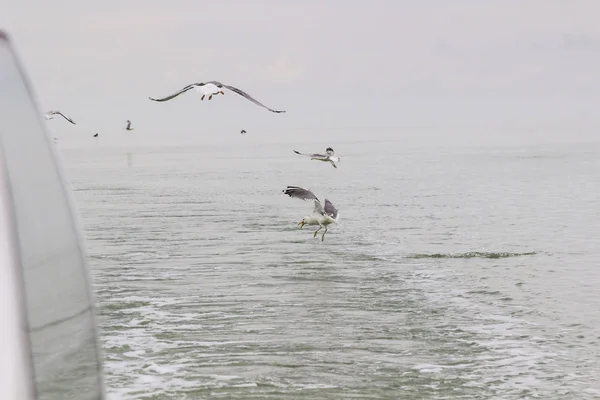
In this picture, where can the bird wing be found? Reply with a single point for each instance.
(330, 209)
(332, 163)
(302, 154)
(318, 156)
(64, 116)
(185, 89)
(300, 193)
(318, 208)
(244, 94)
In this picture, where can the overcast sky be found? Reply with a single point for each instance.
(462, 69)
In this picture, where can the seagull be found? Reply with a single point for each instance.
(243, 131)
(322, 216)
(128, 127)
(214, 88)
(329, 156)
(52, 113)
(96, 135)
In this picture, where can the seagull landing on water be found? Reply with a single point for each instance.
(51, 114)
(128, 127)
(214, 88)
(329, 156)
(322, 216)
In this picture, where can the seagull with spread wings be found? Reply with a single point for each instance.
(329, 156)
(51, 114)
(321, 215)
(211, 89)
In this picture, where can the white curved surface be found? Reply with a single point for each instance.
(59, 308)
(16, 378)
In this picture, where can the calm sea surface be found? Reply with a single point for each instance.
(455, 273)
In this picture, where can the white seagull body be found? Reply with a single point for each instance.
(329, 156)
(321, 215)
(51, 114)
(214, 88)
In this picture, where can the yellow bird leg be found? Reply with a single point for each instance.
(317, 231)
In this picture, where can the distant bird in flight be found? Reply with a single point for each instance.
(214, 88)
(322, 216)
(53, 113)
(243, 131)
(328, 157)
(96, 135)
(128, 127)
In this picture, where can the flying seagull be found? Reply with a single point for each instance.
(243, 131)
(329, 156)
(128, 127)
(214, 88)
(95, 135)
(52, 113)
(322, 216)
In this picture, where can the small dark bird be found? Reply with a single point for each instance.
(96, 135)
(243, 131)
(128, 127)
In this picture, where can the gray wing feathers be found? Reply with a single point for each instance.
(300, 193)
(314, 155)
(185, 89)
(62, 115)
(246, 95)
(309, 155)
(330, 209)
(318, 207)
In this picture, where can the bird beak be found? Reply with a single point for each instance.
(301, 224)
